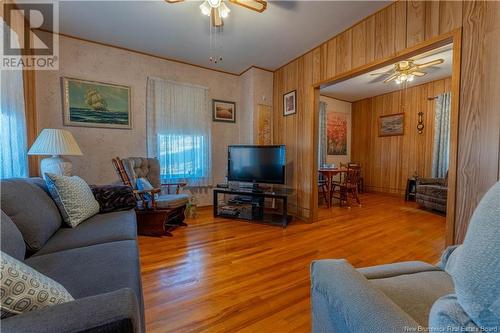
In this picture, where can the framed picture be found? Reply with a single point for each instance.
(290, 103)
(336, 133)
(391, 125)
(223, 111)
(96, 104)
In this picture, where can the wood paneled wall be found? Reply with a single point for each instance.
(388, 161)
(401, 25)
(479, 124)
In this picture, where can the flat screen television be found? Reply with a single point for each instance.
(256, 164)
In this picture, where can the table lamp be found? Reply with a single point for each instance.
(55, 142)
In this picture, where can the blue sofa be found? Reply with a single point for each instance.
(460, 294)
(97, 261)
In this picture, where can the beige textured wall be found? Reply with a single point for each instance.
(89, 61)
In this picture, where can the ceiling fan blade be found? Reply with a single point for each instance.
(390, 78)
(174, 1)
(417, 73)
(380, 73)
(430, 63)
(256, 5)
(216, 19)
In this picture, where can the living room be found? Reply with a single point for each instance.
(162, 176)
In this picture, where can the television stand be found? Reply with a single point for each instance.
(248, 204)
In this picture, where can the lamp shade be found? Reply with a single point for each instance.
(55, 142)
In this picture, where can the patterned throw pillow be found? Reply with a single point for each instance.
(73, 197)
(24, 289)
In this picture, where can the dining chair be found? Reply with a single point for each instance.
(349, 185)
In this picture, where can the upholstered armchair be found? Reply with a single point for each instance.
(460, 294)
(156, 196)
(432, 193)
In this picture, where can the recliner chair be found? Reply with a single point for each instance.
(460, 294)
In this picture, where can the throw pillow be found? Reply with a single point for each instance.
(144, 184)
(24, 289)
(73, 197)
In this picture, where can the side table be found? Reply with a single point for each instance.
(411, 189)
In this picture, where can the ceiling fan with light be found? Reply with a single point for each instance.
(217, 9)
(406, 70)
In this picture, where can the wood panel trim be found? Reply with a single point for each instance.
(154, 55)
(408, 52)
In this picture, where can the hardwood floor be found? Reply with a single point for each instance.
(220, 275)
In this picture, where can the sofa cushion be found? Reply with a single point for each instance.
(11, 241)
(447, 313)
(415, 293)
(29, 205)
(98, 229)
(24, 289)
(73, 196)
(172, 200)
(476, 263)
(93, 270)
(435, 191)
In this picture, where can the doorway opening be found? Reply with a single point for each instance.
(386, 136)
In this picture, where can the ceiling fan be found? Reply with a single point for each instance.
(406, 70)
(217, 9)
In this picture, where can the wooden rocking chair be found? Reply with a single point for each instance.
(158, 212)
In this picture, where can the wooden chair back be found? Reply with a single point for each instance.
(117, 162)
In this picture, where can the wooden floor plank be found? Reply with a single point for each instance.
(220, 275)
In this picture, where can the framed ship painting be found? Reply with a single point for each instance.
(391, 125)
(96, 104)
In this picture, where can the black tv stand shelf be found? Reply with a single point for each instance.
(249, 204)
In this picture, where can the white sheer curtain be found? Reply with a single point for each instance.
(441, 154)
(322, 151)
(13, 140)
(179, 131)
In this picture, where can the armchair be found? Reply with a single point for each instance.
(432, 193)
(159, 208)
(460, 294)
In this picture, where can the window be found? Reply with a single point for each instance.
(182, 156)
(179, 131)
(13, 141)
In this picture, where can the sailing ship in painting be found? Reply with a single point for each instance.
(96, 104)
(95, 101)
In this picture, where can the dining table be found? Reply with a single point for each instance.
(330, 174)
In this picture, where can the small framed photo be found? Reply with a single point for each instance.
(96, 104)
(391, 125)
(290, 103)
(223, 111)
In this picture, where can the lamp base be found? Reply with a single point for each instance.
(56, 165)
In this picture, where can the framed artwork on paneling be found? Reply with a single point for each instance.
(336, 133)
(290, 103)
(391, 124)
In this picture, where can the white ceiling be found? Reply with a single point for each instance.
(178, 31)
(368, 85)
